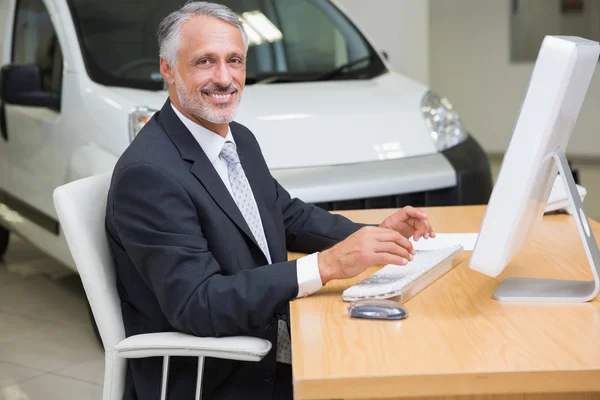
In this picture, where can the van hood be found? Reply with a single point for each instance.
(328, 123)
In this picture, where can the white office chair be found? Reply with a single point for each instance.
(81, 207)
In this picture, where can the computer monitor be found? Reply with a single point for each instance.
(536, 153)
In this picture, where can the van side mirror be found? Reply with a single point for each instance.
(22, 85)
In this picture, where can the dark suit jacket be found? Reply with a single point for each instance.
(186, 260)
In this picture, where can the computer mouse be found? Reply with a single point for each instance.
(377, 309)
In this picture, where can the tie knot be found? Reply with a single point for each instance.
(229, 153)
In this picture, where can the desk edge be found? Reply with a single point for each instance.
(484, 383)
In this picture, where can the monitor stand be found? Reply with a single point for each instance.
(551, 290)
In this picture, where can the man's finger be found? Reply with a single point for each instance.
(417, 227)
(415, 213)
(425, 228)
(393, 248)
(430, 232)
(421, 229)
(388, 235)
(387, 258)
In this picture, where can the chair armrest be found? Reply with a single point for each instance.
(241, 348)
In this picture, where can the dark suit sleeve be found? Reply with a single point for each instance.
(309, 228)
(158, 225)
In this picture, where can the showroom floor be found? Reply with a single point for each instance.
(47, 347)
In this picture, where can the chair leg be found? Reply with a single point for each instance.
(115, 370)
(199, 381)
(165, 377)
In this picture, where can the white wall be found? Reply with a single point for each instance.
(470, 64)
(399, 27)
(536, 18)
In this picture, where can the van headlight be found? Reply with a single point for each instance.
(139, 117)
(443, 121)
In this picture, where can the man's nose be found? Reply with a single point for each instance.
(222, 76)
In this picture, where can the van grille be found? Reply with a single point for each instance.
(433, 198)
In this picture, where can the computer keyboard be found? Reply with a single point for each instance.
(405, 281)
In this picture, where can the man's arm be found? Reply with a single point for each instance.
(344, 248)
(158, 226)
(309, 228)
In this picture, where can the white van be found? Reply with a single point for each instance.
(337, 127)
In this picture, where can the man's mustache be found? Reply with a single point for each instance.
(217, 88)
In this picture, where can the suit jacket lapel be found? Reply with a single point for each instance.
(201, 167)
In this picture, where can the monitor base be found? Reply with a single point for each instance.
(551, 290)
(545, 290)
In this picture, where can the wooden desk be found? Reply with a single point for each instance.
(457, 340)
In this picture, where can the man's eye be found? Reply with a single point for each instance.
(202, 61)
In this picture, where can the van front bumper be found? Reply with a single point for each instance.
(458, 176)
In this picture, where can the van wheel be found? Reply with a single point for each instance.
(94, 326)
(4, 236)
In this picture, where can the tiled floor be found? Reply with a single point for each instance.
(47, 347)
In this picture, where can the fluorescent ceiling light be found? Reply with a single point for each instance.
(253, 36)
(262, 26)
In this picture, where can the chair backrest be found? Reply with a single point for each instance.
(81, 209)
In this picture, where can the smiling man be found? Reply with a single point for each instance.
(206, 76)
(199, 229)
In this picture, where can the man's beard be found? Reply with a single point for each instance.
(200, 108)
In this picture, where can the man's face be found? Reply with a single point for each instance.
(210, 73)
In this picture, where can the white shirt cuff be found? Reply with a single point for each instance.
(309, 277)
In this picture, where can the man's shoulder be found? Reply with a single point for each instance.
(242, 134)
(239, 126)
(150, 145)
(150, 151)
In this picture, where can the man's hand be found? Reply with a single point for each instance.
(409, 221)
(366, 247)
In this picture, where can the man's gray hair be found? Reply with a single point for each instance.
(169, 31)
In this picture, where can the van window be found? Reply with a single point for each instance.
(290, 41)
(35, 42)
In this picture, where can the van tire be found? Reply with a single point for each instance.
(94, 326)
(4, 238)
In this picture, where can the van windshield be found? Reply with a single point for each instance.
(289, 41)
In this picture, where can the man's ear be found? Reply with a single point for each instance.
(167, 72)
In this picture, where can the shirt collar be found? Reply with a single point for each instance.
(211, 142)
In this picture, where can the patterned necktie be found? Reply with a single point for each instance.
(242, 194)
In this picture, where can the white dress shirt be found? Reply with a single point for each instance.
(309, 278)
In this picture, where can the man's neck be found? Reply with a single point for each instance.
(219, 129)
